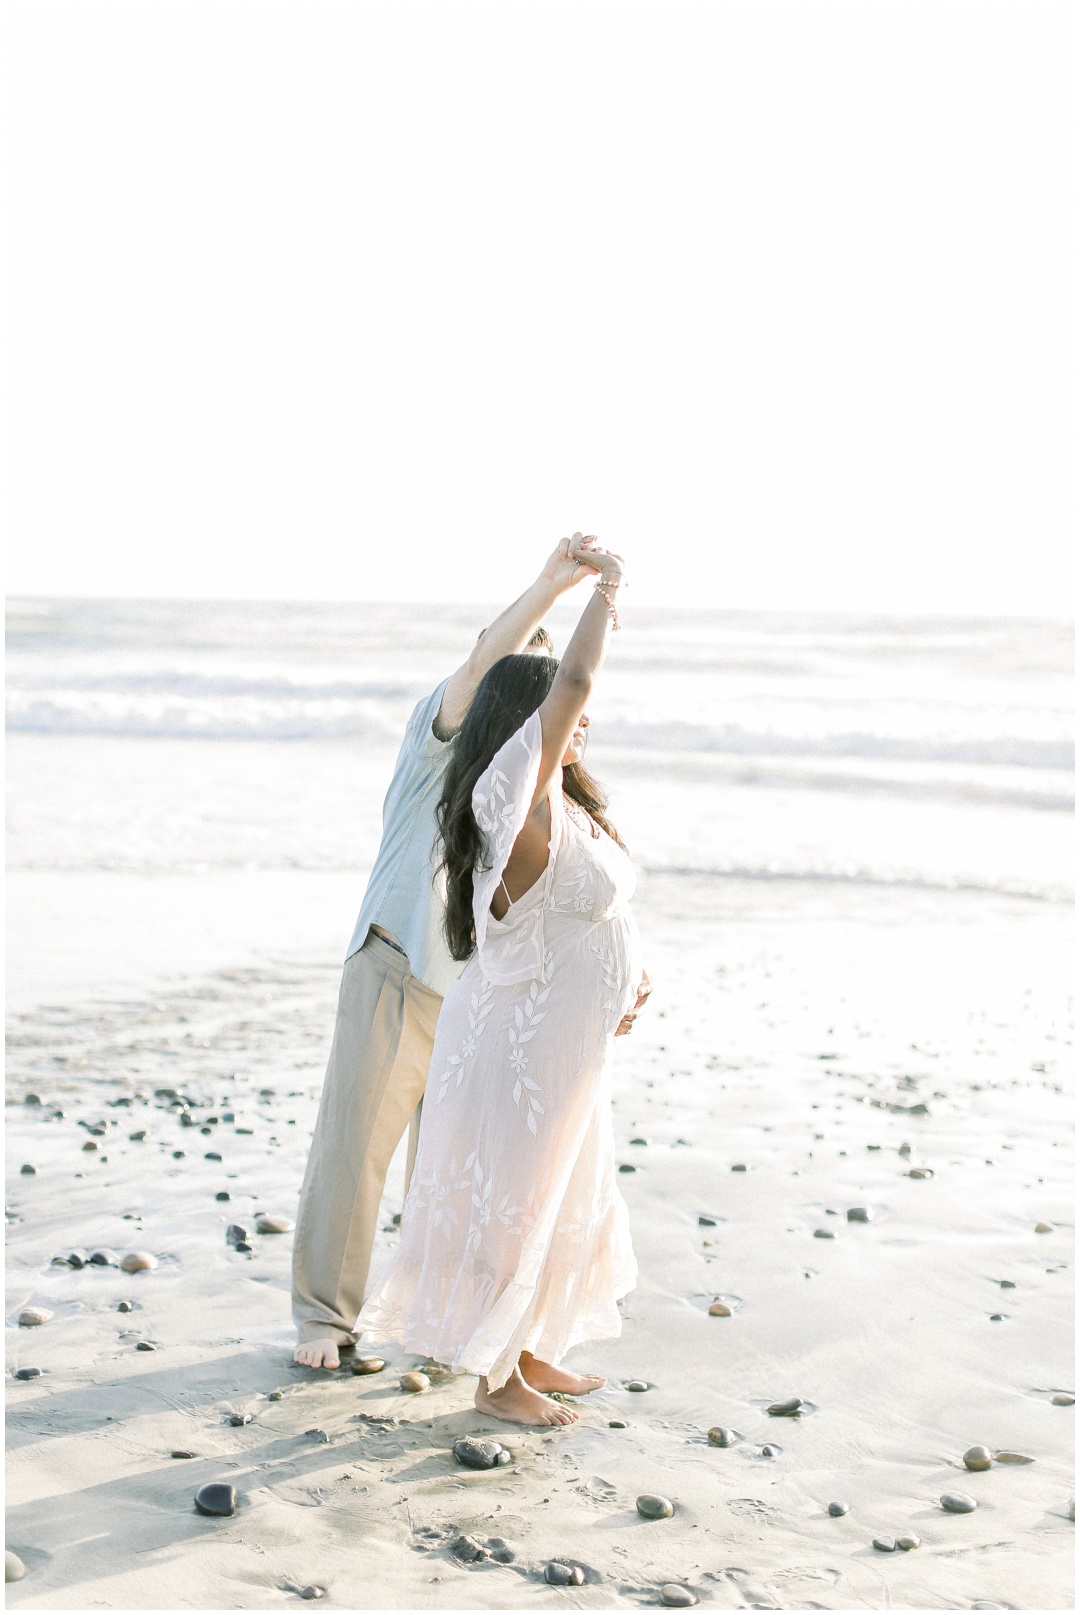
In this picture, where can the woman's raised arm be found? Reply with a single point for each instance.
(561, 710)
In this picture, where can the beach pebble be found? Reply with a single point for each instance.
(28, 1373)
(222, 1194)
(908, 1541)
(837, 1509)
(652, 1507)
(414, 1382)
(1044, 1228)
(318, 1435)
(137, 1137)
(138, 1262)
(958, 1503)
(475, 1453)
(706, 1222)
(786, 1410)
(616, 1424)
(31, 1099)
(770, 1452)
(28, 1171)
(637, 1385)
(312, 1591)
(560, 1575)
(1013, 1458)
(216, 1497)
(31, 1317)
(624, 1166)
(238, 1419)
(89, 1145)
(824, 1233)
(14, 1569)
(179, 1453)
(265, 1224)
(243, 1247)
(920, 1172)
(885, 1544)
(739, 1167)
(104, 1258)
(367, 1365)
(275, 1396)
(1007, 1284)
(639, 1141)
(978, 1458)
(125, 1306)
(721, 1436)
(676, 1597)
(719, 1309)
(1062, 1400)
(235, 1235)
(145, 1345)
(859, 1214)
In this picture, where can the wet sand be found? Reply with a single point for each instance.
(806, 1033)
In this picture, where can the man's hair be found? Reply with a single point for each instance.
(542, 640)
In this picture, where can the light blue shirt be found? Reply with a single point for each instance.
(405, 895)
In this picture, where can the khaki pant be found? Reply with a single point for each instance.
(373, 1090)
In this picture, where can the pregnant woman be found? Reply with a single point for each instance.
(515, 1242)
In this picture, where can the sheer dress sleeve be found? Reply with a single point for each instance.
(511, 950)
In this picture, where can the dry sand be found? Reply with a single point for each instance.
(795, 1030)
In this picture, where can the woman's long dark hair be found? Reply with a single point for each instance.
(508, 693)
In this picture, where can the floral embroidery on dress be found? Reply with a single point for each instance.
(480, 1004)
(527, 1017)
(609, 972)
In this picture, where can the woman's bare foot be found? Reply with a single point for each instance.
(518, 1403)
(546, 1377)
(321, 1353)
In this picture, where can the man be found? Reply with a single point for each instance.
(396, 971)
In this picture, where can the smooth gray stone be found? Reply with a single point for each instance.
(137, 1137)
(885, 1544)
(958, 1503)
(179, 1453)
(837, 1509)
(235, 1234)
(318, 1435)
(1062, 1401)
(124, 1306)
(786, 1410)
(104, 1258)
(1013, 1458)
(560, 1575)
(477, 1454)
(14, 1569)
(28, 1171)
(652, 1507)
(770, 1452)
(616, 1424)
(908, 1541)
(367, 1365)
(824, 1233)
(243, 1247)
(676, 1597)
(860, 1214)
(637, 1385)
(978, 1458)
(31, 1099)
(312, 1592)
(626, 1167)
(504, 1458)
(145, 1345)
(721, 1436)
(28, 1373)
(216, 1497)
(238, 1419)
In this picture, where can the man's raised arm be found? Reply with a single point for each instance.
(510, 632)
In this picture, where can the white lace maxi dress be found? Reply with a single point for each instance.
(514, 1236)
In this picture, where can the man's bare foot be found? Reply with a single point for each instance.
(546, 1377)
(321, 1353)
(518, 1403)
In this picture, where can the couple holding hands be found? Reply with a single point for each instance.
(494, 960)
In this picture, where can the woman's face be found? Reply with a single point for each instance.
(576, 749)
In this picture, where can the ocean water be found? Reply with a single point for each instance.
(181, 737)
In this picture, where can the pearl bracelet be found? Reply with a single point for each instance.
(600, 587)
